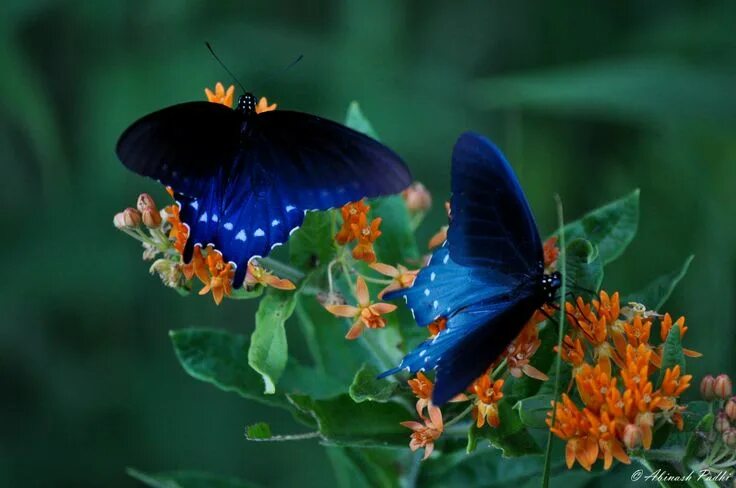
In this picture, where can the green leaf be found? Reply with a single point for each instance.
(584, 266)
(243, 293)
(533, 410)
(258, 431)
(220, 358)
(268, 352)
(672, 354)
(364, 468)
(367, 387)
(341, 421)
(397, 243)
(314, 242)
(187, 479)
(511, 436)
(611, 227)
(656, 293)
(357, 121)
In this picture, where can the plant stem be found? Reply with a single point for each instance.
(496, 372)
(288, 437)
(460, 416)
(560, 335)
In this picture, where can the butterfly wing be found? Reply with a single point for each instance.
(443, 288)
(182, 146)
(289, 163)
(491, 223)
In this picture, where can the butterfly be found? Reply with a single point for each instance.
(488, 277)
(245, 180)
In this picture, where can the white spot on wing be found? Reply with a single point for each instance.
(432, 276)
(426, 292)
(289, 208)
(203, 218)
(241, 235)
(194, 204)
(435, 304)
(275, 222)
(259, 233)
(228, 225)
(215, 218)
(445, 259)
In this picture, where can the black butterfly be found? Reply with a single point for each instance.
(488, 277)
(245, 180)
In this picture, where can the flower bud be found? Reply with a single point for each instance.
(169, 272)
(129, 218)
(152, 218)
(730, 408)
(145, 202)
(632, 436)
(707, 385)
(723, 388)
(334, 298)
(729, 438)
(417, 198)
(722, 423)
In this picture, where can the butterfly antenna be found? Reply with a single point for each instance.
(287, 68)
(212, 51)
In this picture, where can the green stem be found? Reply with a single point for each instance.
(461, 415)
(496, 372)
(288, 437)
(560, 336)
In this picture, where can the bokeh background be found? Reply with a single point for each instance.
(589, 100)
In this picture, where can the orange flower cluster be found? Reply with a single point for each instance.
(613, 361)
(355, 226)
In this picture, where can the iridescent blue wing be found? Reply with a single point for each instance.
(182, 146)
(491, 223)
(443, 287)
(288, 163)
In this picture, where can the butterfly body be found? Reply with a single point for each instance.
(244, 180)
(486, 280)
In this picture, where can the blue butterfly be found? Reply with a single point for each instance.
(487, 279)
(245, 180)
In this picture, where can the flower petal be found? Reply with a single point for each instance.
(342, 310)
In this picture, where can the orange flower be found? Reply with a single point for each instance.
(366, 235)
(673, 384)
(221, 279)
(665, 326)
(263, 106)
(351, 213)
(551, 253)
(220, 95)
(425, 434)
(603, 427)
(402, 277)
(520, 351)
(197, 266)
(573, 426)
(572, 351)
(486, 406)
(437, 326)
(365, 314)
(422, 388)
(257, 275)
(178, 231)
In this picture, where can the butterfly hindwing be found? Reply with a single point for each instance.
(492, 224)
(443, 287)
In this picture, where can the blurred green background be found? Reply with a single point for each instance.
(589, 100)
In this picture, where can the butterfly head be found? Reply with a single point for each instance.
(247, 104)
(550, 284)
